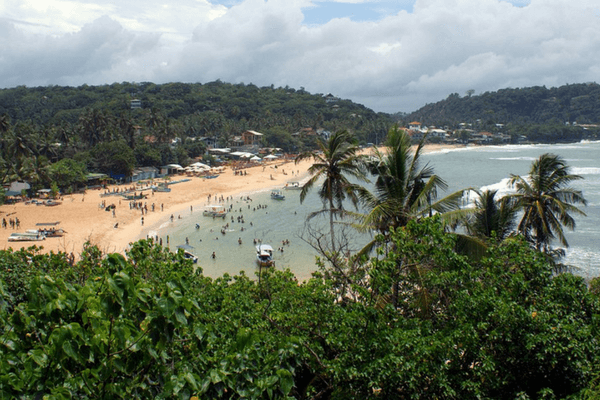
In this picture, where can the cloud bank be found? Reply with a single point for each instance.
(398, 62)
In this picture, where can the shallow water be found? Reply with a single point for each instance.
(480, 167)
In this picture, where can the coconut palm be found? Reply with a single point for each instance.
(334, 161)
(547, 201)
(404, 190)
(492, 217)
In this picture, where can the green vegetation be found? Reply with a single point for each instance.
(540, 114)
(97, 127)
(146, 326)
(414, 318)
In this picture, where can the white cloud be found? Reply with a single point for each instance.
(396, 63)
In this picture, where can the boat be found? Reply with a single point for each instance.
(187, 254)
(277, 195)
(53, 232)
(215, 211)
(26, 237)
(293, 186)
(164, 188)
(210, 176)
(190, 256)
(264, 255)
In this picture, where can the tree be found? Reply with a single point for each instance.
(67, 173)
(547, 201)
(114, 158)
(336, 160)
(491, 217)
(403, 189)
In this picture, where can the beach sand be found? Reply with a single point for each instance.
(84, 220)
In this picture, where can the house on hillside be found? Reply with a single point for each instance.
(436, 133)
(414, 126)
(252, 138)
(136, 104)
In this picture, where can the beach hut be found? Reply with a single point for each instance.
(170, 169)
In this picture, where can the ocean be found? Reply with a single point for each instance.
(258, 217)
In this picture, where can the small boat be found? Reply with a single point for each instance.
(277, 195)
(53, 232)
(26, 237)
(210, 176)
(264, 255)
(52, 203)
(190, 256)
(187, 254)
(293, 186)
(215, 211)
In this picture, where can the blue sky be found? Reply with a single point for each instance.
(388, 55)
(322, 12)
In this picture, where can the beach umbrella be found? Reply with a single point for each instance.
(271, 157)
(255, 158)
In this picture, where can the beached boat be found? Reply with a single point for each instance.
(210, 176)
(293, 186)
(26, 237)
(277, 195)
(162, 188)
(215, 211)
(264, 255)
(52, 232)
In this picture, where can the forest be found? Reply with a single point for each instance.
(538, 105)
(54, 134)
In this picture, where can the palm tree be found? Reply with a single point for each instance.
(403, 189)
(334, 161)
(492, 217)
(547, 201)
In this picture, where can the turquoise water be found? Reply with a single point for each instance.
(480, 167)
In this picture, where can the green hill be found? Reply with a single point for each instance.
(577, 103)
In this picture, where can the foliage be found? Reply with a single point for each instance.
(547, 201)
(147, 326)
(67, 173)
(519, 106)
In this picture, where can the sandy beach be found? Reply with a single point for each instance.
(84, 219)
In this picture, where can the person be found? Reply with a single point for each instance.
(197, 226)
(240, 241)
(142, 221)
(116, 225)
(214, 255)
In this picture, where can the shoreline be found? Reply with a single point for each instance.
(83, 219)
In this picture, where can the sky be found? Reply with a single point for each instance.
(390, 55)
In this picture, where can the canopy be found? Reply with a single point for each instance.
(199, 165)
(174, 166)
(255, 158)
(270, 156)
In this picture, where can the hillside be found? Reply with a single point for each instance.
(578, 103)
(221, 106)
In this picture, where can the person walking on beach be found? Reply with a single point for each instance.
(142, 221)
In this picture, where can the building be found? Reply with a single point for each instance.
(252, 138)
(136, 104)
(142, 173)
